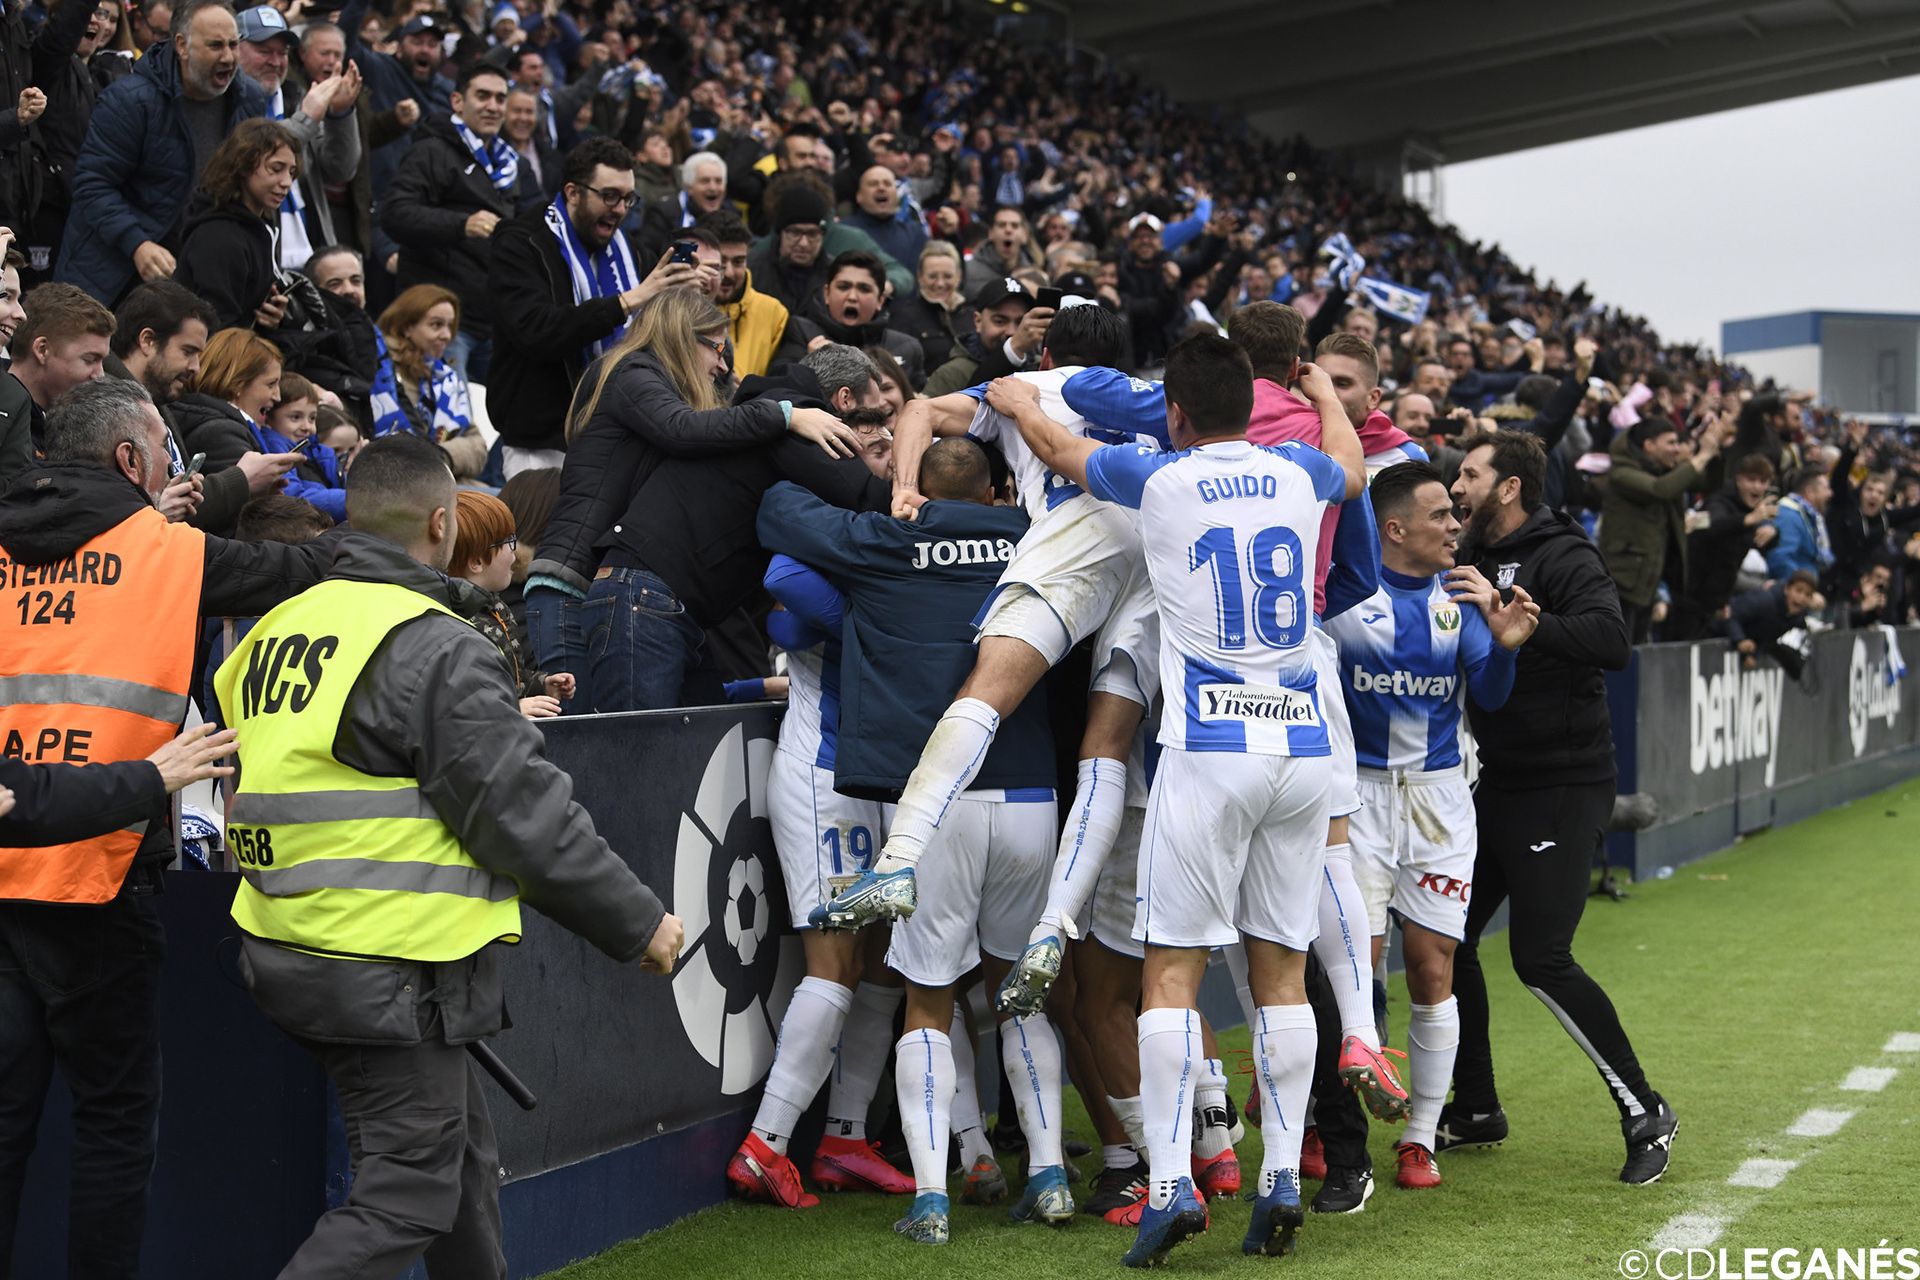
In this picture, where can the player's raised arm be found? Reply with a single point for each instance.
(1059, 450)
(1338, 439)
(913, 431)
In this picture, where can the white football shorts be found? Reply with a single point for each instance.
(817, 831)
(1069, 571)
(1126, 648)
(1414, 842)
(981, 885)
(1110, 915)
(1234, 843)
(1343, 797)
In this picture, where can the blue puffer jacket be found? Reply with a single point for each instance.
(133, 178)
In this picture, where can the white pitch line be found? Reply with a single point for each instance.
(1818, 1123)
(1689, 1231)
(1868, 1079)
(1903, 1042)
(1765, 1174)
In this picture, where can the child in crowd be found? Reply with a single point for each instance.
(484, 546)
(339, 433)
(294, 418)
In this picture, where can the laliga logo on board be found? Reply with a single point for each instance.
(731, 987)
(1872, 694)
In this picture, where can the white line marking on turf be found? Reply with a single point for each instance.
(1762, 1173)
(1903, 1042)
(1818, 1123)
(1868, 1079)
(1689, 1231)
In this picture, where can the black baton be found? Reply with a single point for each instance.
(502, 1074)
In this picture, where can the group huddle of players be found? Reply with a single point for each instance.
(1271, 764)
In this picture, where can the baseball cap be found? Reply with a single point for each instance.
(1002, 289)
(1077, 284)
(1140, 220)
(263, 23)
(418, 25)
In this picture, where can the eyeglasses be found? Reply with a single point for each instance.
(615, 199)
(805, 231)
(716, 345)
(512, 543)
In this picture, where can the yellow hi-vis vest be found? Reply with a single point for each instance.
(334, 860)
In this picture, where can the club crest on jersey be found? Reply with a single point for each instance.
(1504, 578)
(1446, 617)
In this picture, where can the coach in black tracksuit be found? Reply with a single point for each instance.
(1545, 794)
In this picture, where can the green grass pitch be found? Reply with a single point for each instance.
(1751, 983)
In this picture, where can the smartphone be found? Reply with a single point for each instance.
(304, 445)
(685, 251)
(1050, 297)
(198, 461)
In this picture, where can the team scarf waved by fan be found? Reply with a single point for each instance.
(496, 156)
(294, 202)
(606, 274)
(443, 388)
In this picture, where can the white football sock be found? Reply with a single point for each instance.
(863, 1055)
(1031, 1055)
(1118, 1155)
(1211, 1135)
(1127, 1111)
(1092, 825)
(966, 1077)
(1283, 1044)
(951, 759)
(1433, 1037)
(1169, 1047)
(1236, 954)
(803, 1058)
(923, 1083)
(1344, 946)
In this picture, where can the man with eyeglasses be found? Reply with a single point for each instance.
(563, 284)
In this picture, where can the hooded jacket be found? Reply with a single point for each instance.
(1716, 550)
(539, 351)
(425, 209)
(135, 172)
(227, 256)
(757, 323)
(436, 687)
(60, 506)
(816, 320)
(1554, 729)
(1644, 515)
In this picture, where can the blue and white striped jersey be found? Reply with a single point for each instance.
(1230, 532)
(1119, 411)
(1408, 655)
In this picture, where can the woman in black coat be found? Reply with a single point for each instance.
(231, 253)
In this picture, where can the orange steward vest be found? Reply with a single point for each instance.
(96, 661)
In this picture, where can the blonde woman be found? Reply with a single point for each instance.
(652, 396)
(937, 315)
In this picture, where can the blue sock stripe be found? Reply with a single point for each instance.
(1346, 933)
(1033, 1073)
(927, 1087)
(1080, 831)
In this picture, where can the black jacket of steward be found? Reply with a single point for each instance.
(1554, 729)
(540, 334)
(639, 421)
(692, 521)
(436, 688)
(56, 803)
(54, 510)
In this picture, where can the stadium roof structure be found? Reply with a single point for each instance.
(1463, 79)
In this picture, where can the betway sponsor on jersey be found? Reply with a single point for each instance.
(1244, 702)
(948, 551)
(1403, 684)
(1736, 714)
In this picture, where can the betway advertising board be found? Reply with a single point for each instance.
(1714, 733)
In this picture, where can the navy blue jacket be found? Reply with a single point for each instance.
(913, 589)
(134, 175)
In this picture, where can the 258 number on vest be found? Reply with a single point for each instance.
(253, 846)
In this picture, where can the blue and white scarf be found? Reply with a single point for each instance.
(443, 388)
(276, 110)
(606, 274)
(496, 156)
(1403, 304)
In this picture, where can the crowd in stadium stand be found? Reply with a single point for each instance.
(304, 226)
